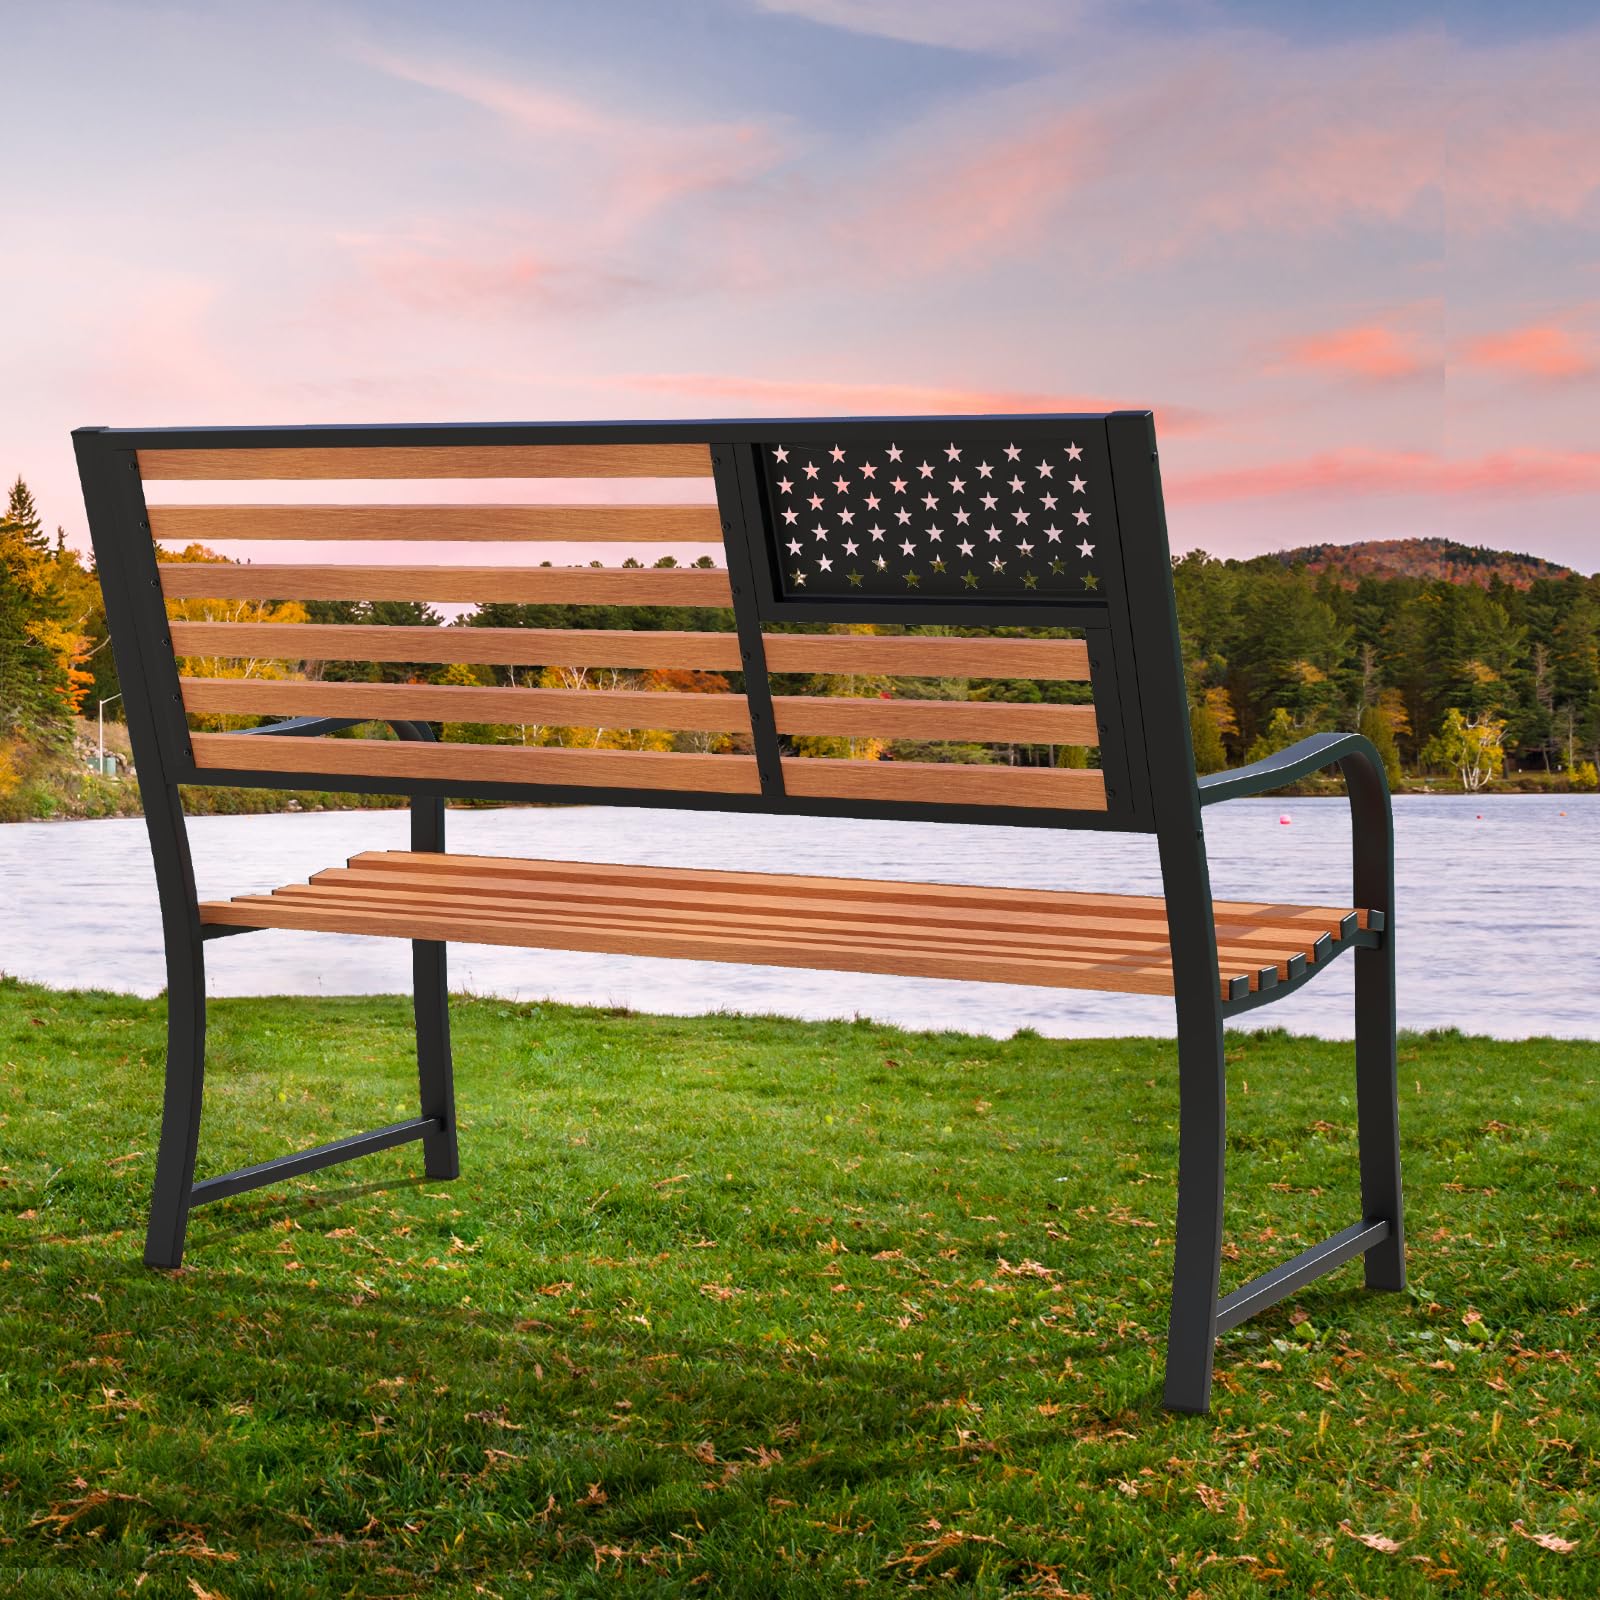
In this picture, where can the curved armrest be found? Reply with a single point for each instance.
(1284, 766)
(313, 727)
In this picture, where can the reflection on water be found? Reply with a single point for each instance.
(1498, 921)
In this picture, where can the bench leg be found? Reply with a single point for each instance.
(1197, 1251)
(435, 1075)
(180, 1114)
(1378, 1114)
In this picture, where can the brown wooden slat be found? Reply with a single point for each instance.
(579, 934)
(916, 894)
(1064, 943)
(984, 721)
(433, 461)
(660, 524)
(431, 702)
(937, 783)
(916, 655)
(700, 892)
(548, 647)
(475, 763)
(227, 580)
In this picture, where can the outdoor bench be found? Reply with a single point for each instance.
(988, 530)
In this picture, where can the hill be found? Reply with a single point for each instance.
(1422, 558)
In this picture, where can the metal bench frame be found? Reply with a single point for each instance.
(1139, 692)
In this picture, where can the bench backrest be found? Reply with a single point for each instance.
(950, 539)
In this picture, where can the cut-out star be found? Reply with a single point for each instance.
(1013, 453)
(880, 563)
(812, 469)
(994, 534)
(998, 564)
(913, 579)
(837, 453)
(1025, 548)
(1019, 517)
(1077, 485)
(1090, 581)
(794, 547)
(952, 454)
(1085, 549)
(1017, 486)
(799, 576)
(780, 454)
(985, 470)
(1081, 517)
(908, 549)
(1058, 565)
(963, 517)
(791, 516)
(894, 452)
(902, 516)
(816, 502)
(873, 502)
(970, 579)
(898, 485)
(876, 532)
(990, 502)
(1048, 501)
(1074, 451)
(958, 486)
(842, 485)
(1046, 470)
(965, 547)
(847, 517)
(824, 565)
(938, 564)
(786, 484)
(930, 501)
(855, 580)
(868, 470)
(1029, 581)
(850, 547)
(821, 532)
(935, 534)
(925, 470)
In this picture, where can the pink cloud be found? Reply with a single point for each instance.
(1350, 474)
(806, 397)
(1540, 350)
(1371, 350)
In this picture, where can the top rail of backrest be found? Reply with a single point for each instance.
(999, 525)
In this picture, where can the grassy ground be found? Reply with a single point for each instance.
(744, 1307)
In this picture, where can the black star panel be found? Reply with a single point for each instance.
(991, 512)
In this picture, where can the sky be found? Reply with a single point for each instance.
(1349, 254)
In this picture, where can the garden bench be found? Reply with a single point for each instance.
(1032, 547)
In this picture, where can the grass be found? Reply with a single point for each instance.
(738, 1306)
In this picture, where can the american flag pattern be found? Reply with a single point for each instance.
(985, 513)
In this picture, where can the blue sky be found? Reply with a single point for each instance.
(1350, 255)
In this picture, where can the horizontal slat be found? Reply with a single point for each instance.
(480, 763)
(434, 461)
(547, 647)
(913, 655)
(1302, 921)
(227, 580)
(574, 523)
(938, 783)
(432, 702)
(985, 721)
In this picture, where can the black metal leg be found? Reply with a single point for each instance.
(1197, 1251)
(435, 1075)
(1378, 1113)
(180, 1114)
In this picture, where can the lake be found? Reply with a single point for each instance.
(1498, 909)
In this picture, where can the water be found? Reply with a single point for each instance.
(1498, 913)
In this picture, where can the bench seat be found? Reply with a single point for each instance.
(935, 930)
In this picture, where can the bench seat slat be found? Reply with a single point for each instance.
(934, 656)
(780, 920)
(429, 461)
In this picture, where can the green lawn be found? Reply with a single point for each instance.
(739, 1306)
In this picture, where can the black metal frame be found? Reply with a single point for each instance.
(1138, 682)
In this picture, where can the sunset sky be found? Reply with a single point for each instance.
(1353, 264)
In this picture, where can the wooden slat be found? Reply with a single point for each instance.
(547, 647)
(692, 891)
(475, 763)
(937, 783)
(434, 461)
(914, 655)
(915, 894)
(431, 702)
(573, 523)
(227, 580)
(984, 721)
(605, 938)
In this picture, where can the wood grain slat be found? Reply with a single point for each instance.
(1032, 926)
(937, 783)
(915, 894)
(429, 702)
(917, 655)
(982, 721)
(226, 580)
(475, 763)
(431, 461)
(657, 524)
(501, 647)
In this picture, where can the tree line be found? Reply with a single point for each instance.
(1456, 683)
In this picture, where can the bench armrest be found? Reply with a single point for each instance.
(1284, 766)
(313, 727)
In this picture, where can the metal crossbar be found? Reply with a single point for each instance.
(1270, 1287)
(323, 1155)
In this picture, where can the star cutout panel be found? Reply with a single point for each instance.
(993, 511)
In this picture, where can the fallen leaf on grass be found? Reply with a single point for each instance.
(1546, 1541)
(1373, 1541)
(1211, 1499)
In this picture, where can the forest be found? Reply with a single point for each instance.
(1463, 685)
